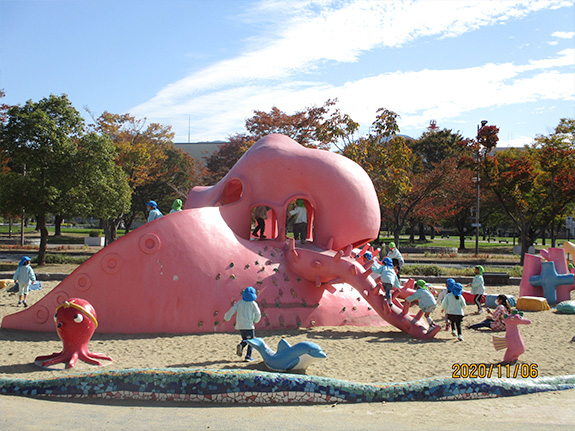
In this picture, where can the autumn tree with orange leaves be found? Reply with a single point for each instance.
(313, 127)
(156, 169)
(536, 184)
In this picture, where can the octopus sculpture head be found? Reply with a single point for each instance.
(339, 196)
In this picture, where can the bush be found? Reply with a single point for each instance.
(435, 270)
(60, 259)
(95, 233)
(425, 270)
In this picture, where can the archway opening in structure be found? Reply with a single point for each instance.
(264, 223)
(299, 220)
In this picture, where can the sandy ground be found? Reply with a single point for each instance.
(357, 354)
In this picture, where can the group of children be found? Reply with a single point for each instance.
(154, 213)
(451, 298)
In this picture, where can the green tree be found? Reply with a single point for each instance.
(439, 154)
(102, 189)
(39, 141)
(536, 184)
(155, 168)
(226, 156)
(388, 160)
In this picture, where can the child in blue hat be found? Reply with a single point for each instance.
(25, 276)
(248, 314)
(389, 278)
(155, 213)
(449, 283)
(453, 304)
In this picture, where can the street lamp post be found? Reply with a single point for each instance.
(477, 179)
(23, 215)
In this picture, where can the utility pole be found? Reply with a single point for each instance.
(23, 215)
(477, 179)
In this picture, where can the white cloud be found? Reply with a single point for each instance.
(520, 141)
(300, 36)
(564, 34)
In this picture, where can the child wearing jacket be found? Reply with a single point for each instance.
(248, 314)
(453, 304)
(425, 299)
(478, 287)
(25, 276)
(389, 278)
(449, 283)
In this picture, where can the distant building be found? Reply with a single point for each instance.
(200, 150)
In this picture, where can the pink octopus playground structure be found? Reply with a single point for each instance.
(182, 272)
(548, 276)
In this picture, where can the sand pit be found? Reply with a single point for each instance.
(355, 354)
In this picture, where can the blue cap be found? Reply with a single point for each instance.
(24, 260)
(368, 255)
(249, 294)
(457, 289)
(450, 282)
(152, 204)
(388, 262)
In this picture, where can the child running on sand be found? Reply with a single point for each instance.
(453, 304)
(449, 283)
(478, 287)
(248, 314)
(25, 276)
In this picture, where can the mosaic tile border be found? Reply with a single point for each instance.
(257, 387)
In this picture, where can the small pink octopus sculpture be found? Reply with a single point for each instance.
(75, 324)
(513, 340)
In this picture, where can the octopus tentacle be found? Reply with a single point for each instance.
(99, 356)
(88, 357)
(46, 357)
(63, 357)
(73, 360)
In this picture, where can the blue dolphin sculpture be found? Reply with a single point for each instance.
(288, 358)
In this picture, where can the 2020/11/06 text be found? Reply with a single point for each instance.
(481, 371)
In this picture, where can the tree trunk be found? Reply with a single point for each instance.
(128, 222)
(461, 231)
(422, 232)
(553, 238)
(41, 226)
(526, 242)
(461, 240)
(57, 225)
(396, 233)
(412, 233)
(111, 229)
(9, 227)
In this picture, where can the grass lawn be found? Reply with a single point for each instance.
(70, 235)
(505, 244)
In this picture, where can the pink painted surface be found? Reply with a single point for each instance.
(532, 266)
(515, 343)
(182, 272)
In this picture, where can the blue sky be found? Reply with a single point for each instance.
(204, 66)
